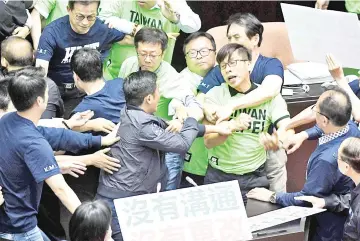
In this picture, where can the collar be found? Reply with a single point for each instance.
(156, 6)
(234, 92)
(133, 107)
(156, 71)
(329, 137)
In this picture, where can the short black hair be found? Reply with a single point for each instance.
(197, 35)
(229, 49)
(25, 88)
(151, 35)
(350, 153)
(90, 221)
(4, 94)
(138, 85)
(71, 3)
(251, 24)
(87, 64)
(17, 51)
(336, 106)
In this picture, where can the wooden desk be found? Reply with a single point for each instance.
(296, 164)
(296, 230)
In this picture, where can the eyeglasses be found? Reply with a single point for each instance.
(313, 109)
(232, 63)
(150, 56)
(192, 53)
(80, 17)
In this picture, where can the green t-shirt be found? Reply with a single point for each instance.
(195, 161)
(51, 9)
(130, 10)
(242, 152)
(353, 6)
(166, 81)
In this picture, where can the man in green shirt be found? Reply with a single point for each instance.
(169, 16)
(200, 50)
(241, 156)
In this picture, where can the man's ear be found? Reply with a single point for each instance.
(255, 40)
(4, 62)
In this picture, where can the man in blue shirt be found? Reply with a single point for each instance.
(61, 38)
(333, 111)
(247, 30)
(27, 152)
(105, 99)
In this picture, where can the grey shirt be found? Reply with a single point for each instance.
(141, 151)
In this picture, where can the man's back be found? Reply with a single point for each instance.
(26, 160)
(135, 175)
(106, 103)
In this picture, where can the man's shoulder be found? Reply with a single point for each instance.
(167, 68)
(59, 24)
(268, 60)
(218, 91)
(130, 62)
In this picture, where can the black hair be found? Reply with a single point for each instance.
(4, 94)
(197, 35)
(138, 85)
(71, 3)
(151, 35)
(251, 24)
(336, 106)
(229, 49)
(25, 87)
(90, 221)
(87, 64)
(17, 51)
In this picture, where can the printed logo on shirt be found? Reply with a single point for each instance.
(157, 129)
(214, 160)
(70, 51)
(141, 19)
(50, 168)
(188, 156)
(259, 119)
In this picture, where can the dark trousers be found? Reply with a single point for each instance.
(199, 180)
(71, 98)
(247, 181)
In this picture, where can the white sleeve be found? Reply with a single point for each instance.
(189, 21)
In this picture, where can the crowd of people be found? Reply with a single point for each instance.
(92, 111)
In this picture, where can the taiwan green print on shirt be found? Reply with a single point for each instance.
(242, 152)
(153, 18)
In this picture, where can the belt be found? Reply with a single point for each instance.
(69, 86)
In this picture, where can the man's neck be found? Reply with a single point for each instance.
(244, 86)
(13, 68)
(30, 115)
(333, 129)
(202, 73)
(254, 56)
(356, 179)
(146, 109)
(93, 87)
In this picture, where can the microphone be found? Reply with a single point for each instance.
(191, 181)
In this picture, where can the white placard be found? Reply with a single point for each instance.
(314, 32)
(213, 212)
(283, 215)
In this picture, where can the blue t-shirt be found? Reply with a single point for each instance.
(263, 67)
(26, 160)
(354, 85)
(106, 103)
(58, 42)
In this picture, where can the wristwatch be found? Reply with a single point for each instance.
(273, 198)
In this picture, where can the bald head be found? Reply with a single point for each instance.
(335, 104)
(17, 52)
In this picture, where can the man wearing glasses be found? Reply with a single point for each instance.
(323, 178)
(150, 45)
(62, 37)
(199, 49)
(247, 30)
(241, 156)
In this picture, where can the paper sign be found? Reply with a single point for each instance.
(314, 32)
(212, 212)
(280, 216)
